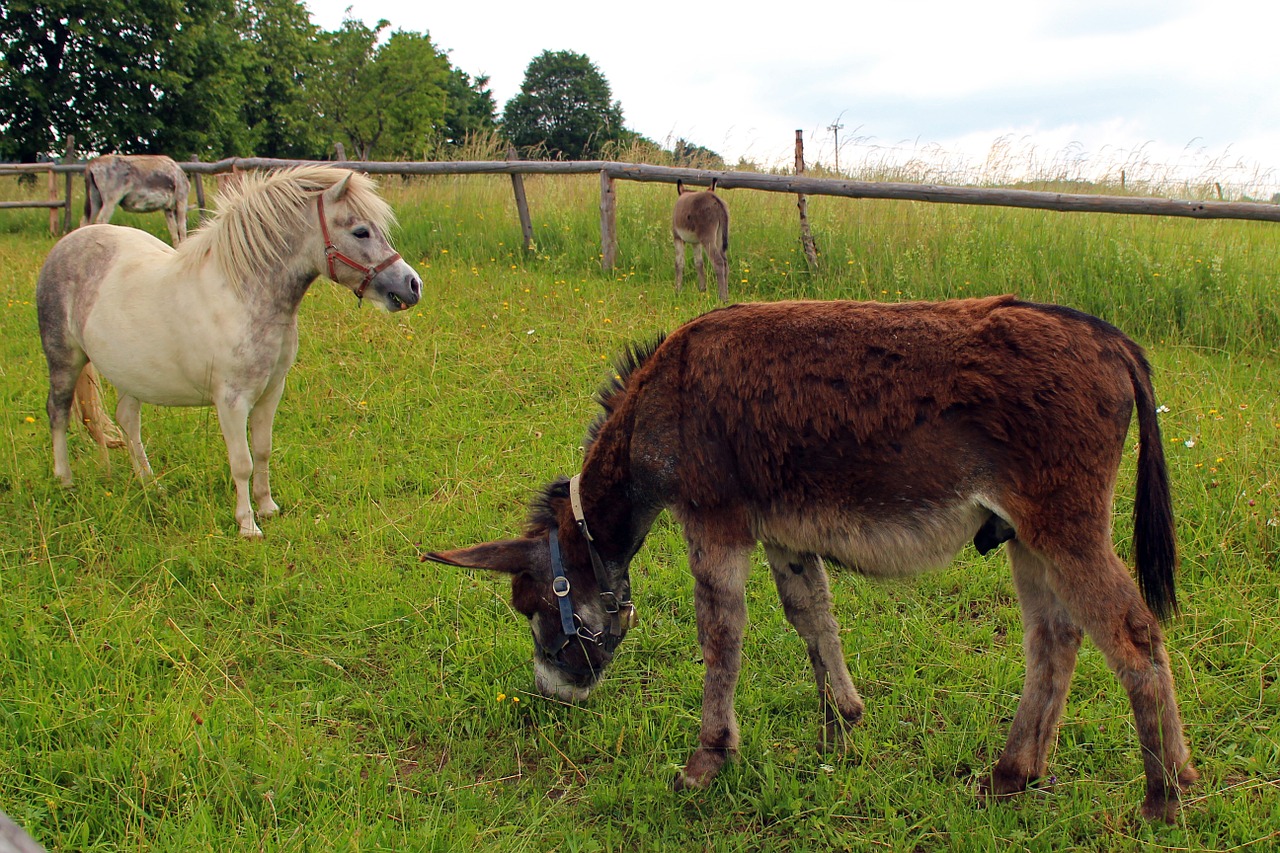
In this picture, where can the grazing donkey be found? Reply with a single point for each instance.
(879, 438)
(702, 218)
(139, 183)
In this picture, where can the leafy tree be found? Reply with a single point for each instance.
(565, 104)
(129, 75)
(387, 101)
(469, 108)
(280, 68)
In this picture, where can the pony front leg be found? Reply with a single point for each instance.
(260, 421)
(233, 419)
(720, 574)
(129, 416)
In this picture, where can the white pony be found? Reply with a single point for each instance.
(214, 321)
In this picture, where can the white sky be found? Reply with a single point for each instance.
(1168, 89)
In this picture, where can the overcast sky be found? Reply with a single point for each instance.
(1190, 87)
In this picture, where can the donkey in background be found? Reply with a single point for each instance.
(140, 183)
(702, 218)
(878, 438)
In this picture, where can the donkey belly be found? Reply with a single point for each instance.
(883, 545)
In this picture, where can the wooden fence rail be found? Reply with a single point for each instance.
(610, 171)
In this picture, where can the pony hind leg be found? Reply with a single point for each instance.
(63, 378)
(805, 591)
(1051, 641)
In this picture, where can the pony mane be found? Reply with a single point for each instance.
(614, 390)
(260, 214)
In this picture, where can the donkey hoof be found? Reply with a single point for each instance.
(1162, 807)
(701, 769)
(1002, 784)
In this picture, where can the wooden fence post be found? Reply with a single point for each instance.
(70, 156)
(522, 204)
(608, 222)
(53, 196)
(340, 152)
(199, 192)
(806, 238)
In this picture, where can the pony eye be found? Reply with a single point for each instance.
(361, 233)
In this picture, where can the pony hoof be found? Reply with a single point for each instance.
(269, 509)
(252, 531)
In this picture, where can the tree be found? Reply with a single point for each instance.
(128, 75)
(386, 100)
(279, 72)
(565, 105)
(470, 108)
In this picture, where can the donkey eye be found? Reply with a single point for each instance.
(361, 233)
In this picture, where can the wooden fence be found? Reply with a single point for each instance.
(611, 171)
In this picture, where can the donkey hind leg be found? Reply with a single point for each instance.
(806, 599)
(1095, 588)
(720, 575)
(129, 416)
(1051, 641)
(233, 419)
(679, 263)
(261, 418)
(720, 263)
(171, 218)
(699, 252)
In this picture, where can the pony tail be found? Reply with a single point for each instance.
(93, 414)
(1154, 540)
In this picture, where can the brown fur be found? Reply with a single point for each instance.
(883, 438)
(702, 218)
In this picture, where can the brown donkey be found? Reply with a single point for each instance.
(702, 218)
(881, 439)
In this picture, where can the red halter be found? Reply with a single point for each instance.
(332, 254)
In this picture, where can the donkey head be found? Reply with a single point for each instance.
(577, 618)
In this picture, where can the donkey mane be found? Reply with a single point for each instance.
(260, 213)
(611, 394)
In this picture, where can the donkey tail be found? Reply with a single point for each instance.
(1154, 541)
(93, 414)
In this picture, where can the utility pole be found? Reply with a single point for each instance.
(835, 127)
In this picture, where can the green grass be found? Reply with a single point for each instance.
(165, 686)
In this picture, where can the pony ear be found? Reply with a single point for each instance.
(509, 556)
(338, 190)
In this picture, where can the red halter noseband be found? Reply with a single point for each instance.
(332, 254)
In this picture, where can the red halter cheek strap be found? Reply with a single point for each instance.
(332, 254)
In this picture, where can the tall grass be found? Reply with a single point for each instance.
(166, 686)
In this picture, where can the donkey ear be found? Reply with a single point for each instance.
(338, 190)
(510, 556)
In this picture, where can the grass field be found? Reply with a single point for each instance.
(166, 686)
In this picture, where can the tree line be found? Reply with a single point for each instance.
(219, 78)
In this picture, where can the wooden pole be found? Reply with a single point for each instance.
(70, 156)
(522, 204)
(53, 197)
(608, 223)
(199, 192)
(802, 202)
(340, 151)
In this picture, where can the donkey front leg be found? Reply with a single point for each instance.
(233, 418)
(806, 599)
(720, 575)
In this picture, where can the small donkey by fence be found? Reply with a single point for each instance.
(702, 218)
(880, 438)
(140, 183)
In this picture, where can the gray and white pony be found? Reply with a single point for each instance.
(213, 321)
(140, 183)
